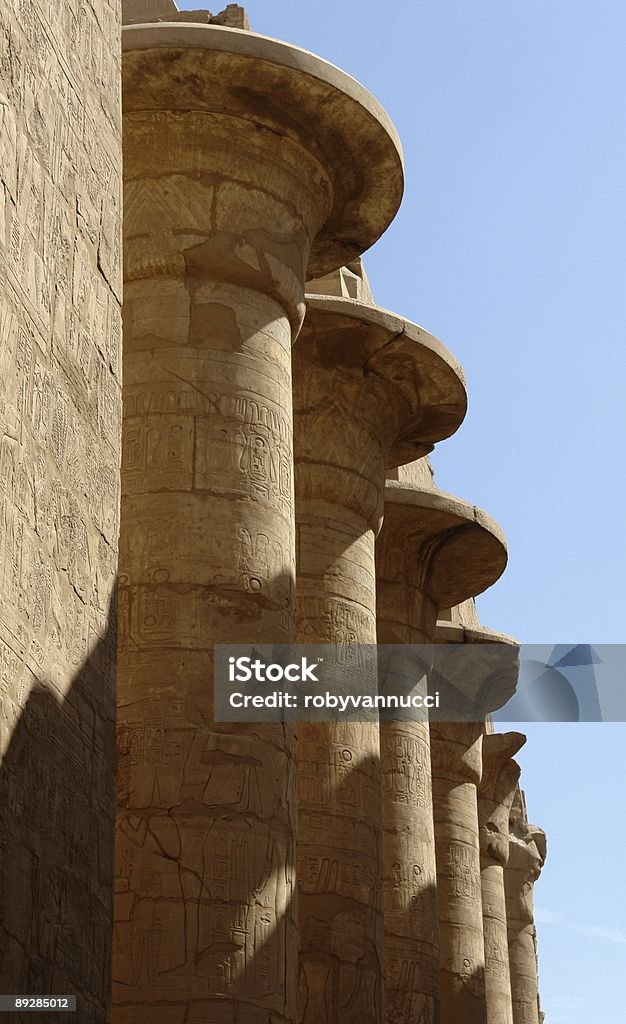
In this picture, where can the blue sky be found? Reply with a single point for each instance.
(573, 775)
(510, 246)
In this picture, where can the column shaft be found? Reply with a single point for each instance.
(339, 840)
(370, 390)
(495, 797)
(218, 228)
(411, 931)
(524, 978)
(527, 853)
(456, 755)
(497, 975)
(411, 953)
(434, 550)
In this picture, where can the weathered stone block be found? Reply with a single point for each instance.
(60, 434)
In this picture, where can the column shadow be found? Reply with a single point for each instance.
(57, 806)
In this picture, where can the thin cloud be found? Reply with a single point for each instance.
(562, 1003)
(559, 1009)
(590, 931)
(543, 916)
(593, 931)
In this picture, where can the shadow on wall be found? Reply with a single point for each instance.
(340, 894)
(56, 876)
(341, 901)
(57, 806)
(205, 910)
(215, 935)
(205, 854)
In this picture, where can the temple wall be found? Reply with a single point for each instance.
(60, 355)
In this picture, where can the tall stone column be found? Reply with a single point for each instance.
(456, 760)
(456, 749)
(246, 161)
(495, 798)
(433, 551)
(370, 391)
(527, 854)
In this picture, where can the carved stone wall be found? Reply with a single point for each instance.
(60, 351)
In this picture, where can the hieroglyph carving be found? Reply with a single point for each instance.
(60, 413)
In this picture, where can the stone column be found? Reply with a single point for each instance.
(433, 551)
(495, 798)
(245, 161)
(527, 854)
(456, 749)
(370, 391)
(456, 764)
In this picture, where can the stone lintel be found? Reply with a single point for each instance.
(349, 282)
(419, 474)
(290, 93)
(464, 614)
(147, 12)
(141, 12)
(234, 16)
(455, 633)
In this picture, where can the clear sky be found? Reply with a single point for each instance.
(510, 246)
(573, 775)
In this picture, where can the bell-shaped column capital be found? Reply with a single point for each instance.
(441, 544)
(494, 667)
(289, 102)
(495, 797)
(527, 855)
(371, 390)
